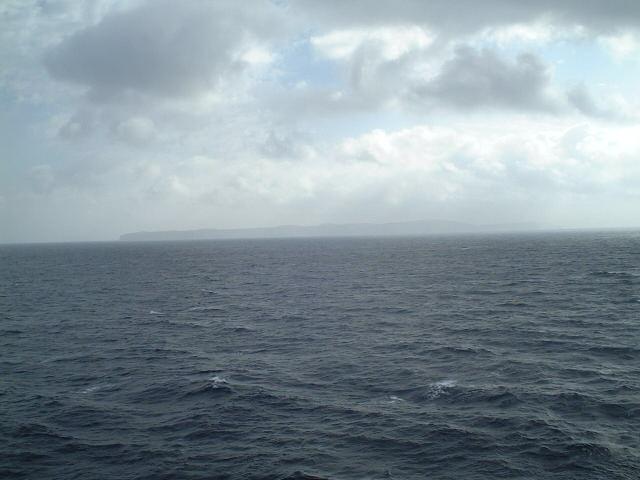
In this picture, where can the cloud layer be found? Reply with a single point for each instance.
(153, 114)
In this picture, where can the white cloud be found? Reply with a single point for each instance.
(136, 130)
(622, 45)
(391, 42)
(420, 165)
(540, 32)
(257, 55)
(474, 171)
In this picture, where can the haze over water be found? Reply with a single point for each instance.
(474, 357)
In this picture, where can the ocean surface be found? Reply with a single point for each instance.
(461, 357)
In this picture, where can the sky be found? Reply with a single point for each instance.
(129, 115)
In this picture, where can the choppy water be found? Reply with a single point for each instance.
(475, 357)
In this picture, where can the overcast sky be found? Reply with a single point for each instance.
(126, 115)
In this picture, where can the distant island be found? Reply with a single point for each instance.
(427, 227)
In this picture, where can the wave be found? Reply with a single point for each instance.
(498, 396)
(298, 475)
(37, 430)
(615, 273)
(620, 352)
(439, 388)
(456, 351)
(216, 380)
(514, 303)
(215, 386)
(239, 328)
(99, 387)
(429, 392)
(11, 332)
(205, 308)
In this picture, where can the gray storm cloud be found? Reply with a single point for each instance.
(480, 78)
(162, 47)
(456, 17)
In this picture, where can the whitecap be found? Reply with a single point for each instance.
(395, 399)
(241, 328)
(439, 388)
(446, 383)
(154, 312)
(216, 380)
(203, 308)
(95, 388)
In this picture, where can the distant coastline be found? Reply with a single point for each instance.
(426, 227)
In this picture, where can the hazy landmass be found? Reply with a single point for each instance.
(428, 227)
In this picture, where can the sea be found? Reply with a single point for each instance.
(446, 357)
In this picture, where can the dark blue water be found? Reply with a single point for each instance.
(475, 357)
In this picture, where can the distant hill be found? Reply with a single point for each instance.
(429, 227)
